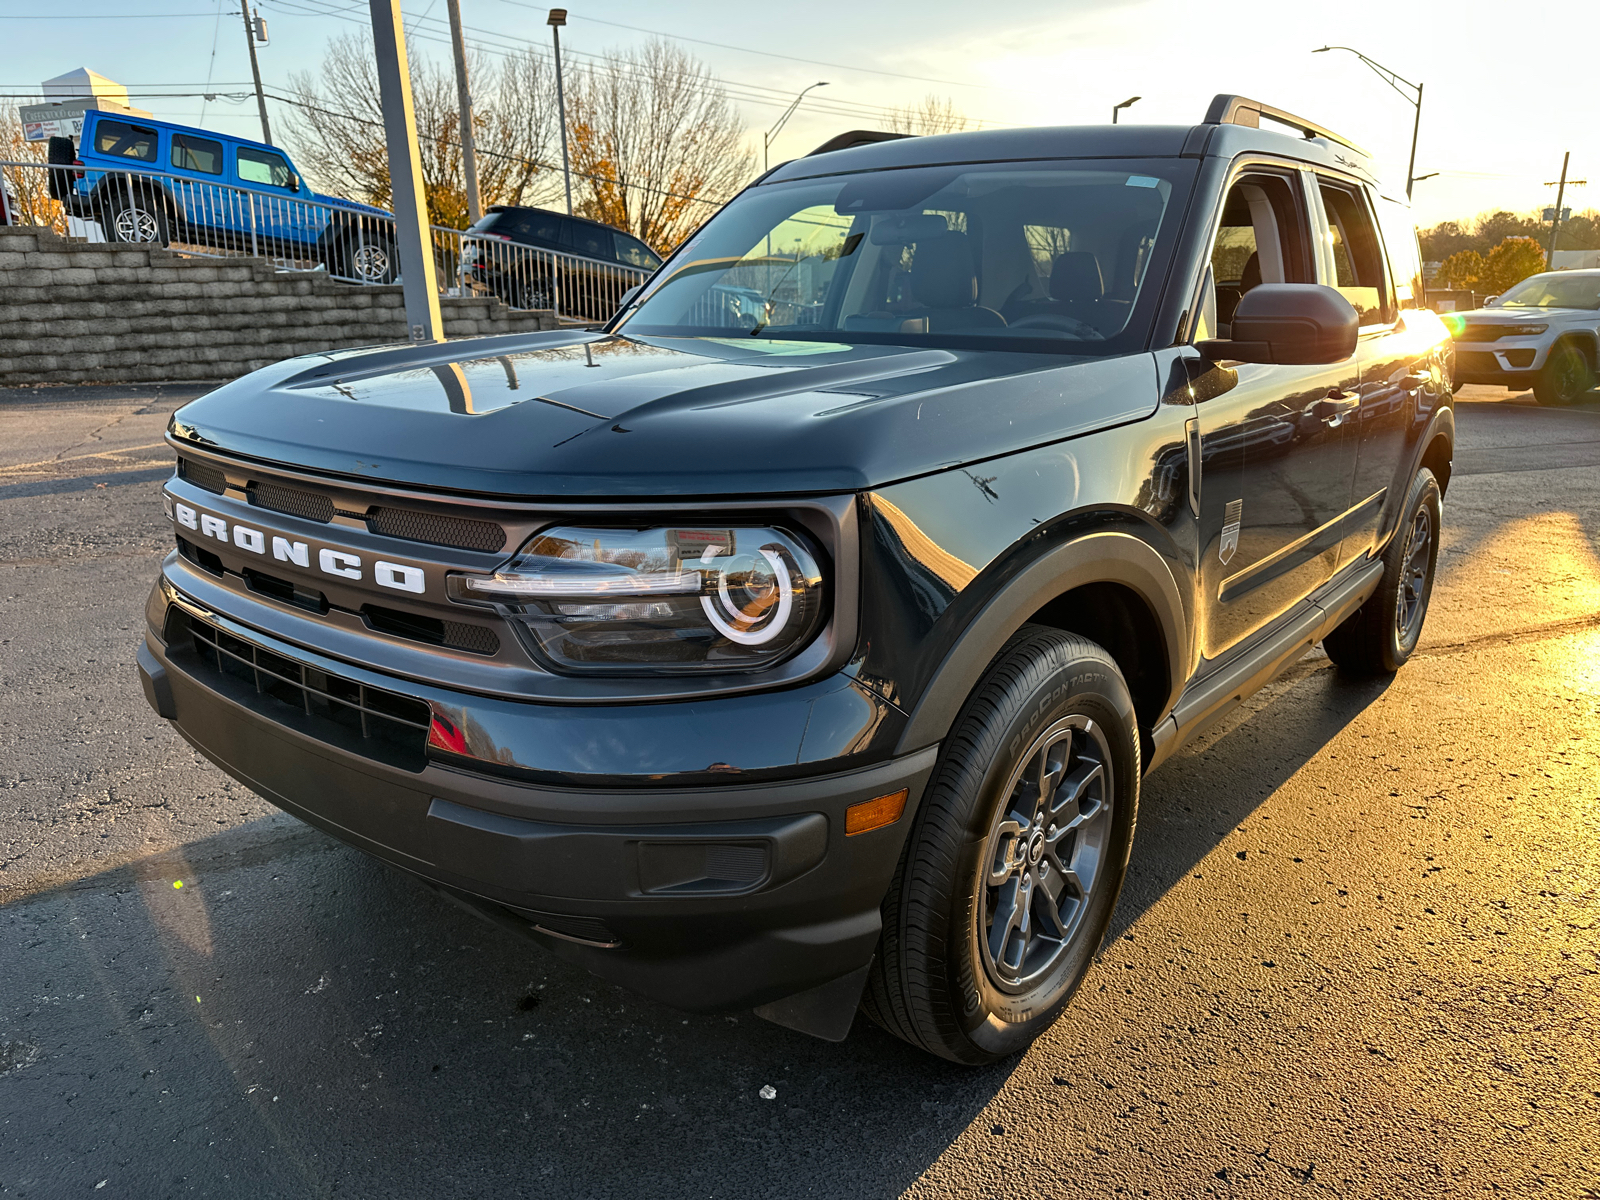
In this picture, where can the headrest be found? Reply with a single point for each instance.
(1250, 276)
(1075, 275)
(942, 275)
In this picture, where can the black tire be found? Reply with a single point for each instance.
(1564, 378)
(367, 257)
(60, 152)
(938, 981)
(534, 293)
(1380, 636)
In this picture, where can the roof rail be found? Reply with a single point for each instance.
(857, 137)
(1239, 110)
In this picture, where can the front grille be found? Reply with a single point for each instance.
(201, 558)
(202, 475)
(368, 721)
(1480, 333)
(464, 533)
(458, 635)
(294, 502)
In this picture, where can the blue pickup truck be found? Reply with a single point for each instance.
(144, 180)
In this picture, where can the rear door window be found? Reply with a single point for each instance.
(264, 167)
(120, 139)
(592, 241)
(196, 154)
(1357, 256)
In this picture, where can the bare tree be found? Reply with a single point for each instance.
(336, 130)
(655, 142)
(930, 115)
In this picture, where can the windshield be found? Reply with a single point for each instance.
(1555, 291)
(1042, 253)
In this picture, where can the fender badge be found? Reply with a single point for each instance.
(1230, 529)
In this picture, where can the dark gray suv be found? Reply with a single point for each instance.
(808, 653)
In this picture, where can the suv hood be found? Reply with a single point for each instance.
(580, 414)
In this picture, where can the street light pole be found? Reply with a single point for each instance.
(1396, 82)
(255, 71)
(766, 138)
(558, 18)
(1128, 103)
(469, 153)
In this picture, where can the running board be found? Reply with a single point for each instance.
(1213, 697)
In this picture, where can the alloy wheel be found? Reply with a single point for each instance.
(371, 262)
(136, 225)
(1045, 853)
(1413, 598)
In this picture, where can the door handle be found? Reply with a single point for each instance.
(1414, 381)
(1336, 406)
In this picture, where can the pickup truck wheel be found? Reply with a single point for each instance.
(1380, 636)
(1565, 378)
(139, 220)
(1009, 877)
(370, 258)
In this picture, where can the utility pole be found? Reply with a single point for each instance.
(255, 70)
(558, 18)
(412, 238)
(469, 154)
(1555, 214)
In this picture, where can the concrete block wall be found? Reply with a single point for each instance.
(78, 312)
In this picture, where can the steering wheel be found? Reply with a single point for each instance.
(1080, 330)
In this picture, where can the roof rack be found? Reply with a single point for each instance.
(1239, 110)
(857, 137)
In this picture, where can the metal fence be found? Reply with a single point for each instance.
(352, 243)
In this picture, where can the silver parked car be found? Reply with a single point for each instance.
(1544, 333)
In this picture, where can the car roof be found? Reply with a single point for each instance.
(1079, 142)
(97, 115)
(550, 212)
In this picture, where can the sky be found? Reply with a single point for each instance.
(1502, 100)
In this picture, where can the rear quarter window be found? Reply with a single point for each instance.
(196, 154)
(1405, 258)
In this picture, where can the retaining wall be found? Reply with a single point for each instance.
(76, 312)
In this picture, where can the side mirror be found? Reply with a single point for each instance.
(294, 182)
(627, 296)
(1292, 324)
(1491, 301)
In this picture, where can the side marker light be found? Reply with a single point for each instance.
(874, 814)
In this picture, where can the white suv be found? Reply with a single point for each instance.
(1544, 333)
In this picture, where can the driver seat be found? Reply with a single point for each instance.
(944, 282)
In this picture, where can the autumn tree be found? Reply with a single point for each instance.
(930, 115)
(655, 142)
(1464, 270)
(30, 188)
(1512, 261)
(336, 129)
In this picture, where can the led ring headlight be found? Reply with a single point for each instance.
(659, 600)
(774, 627)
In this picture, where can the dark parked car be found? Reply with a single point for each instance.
(810, 653)
(534, 258)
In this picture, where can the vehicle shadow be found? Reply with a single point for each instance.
(297, 1019)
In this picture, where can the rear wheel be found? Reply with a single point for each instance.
(1008, 880)
(1566, 376)
(1380, 636)
(139, 219)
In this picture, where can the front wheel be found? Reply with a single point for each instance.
(1380, 636)
(1007, 883)
(1564, 378)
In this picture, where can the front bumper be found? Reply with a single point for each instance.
(710, 897)
(1510, 363)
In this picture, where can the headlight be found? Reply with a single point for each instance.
(1522, 330)
(667, 600)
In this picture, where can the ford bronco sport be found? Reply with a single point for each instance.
(809, 654)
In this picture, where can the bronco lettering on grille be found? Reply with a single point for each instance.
(398, 577)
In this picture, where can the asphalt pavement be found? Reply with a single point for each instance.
(1356, 956)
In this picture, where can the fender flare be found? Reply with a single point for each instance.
(1106, 556)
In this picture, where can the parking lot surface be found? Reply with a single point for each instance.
(1356, 955)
